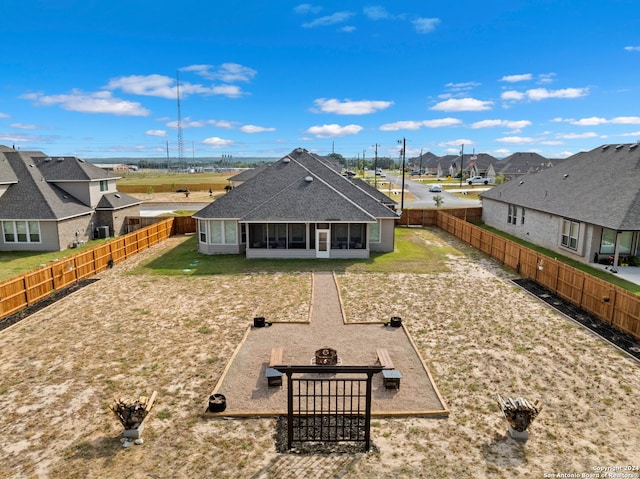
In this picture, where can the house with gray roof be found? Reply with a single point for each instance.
(50, 204)
(299, 207)
(586, 207)
(518, 164)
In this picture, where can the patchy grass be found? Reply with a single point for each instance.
(15, 263)
(414, 252)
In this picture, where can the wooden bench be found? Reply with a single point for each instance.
(390, 376)
(274, 377)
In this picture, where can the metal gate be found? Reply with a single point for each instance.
(329, 403)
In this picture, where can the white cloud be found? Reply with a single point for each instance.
(564, 154)
(376, 13)
(517, 78)
(545, 78)
(305, 8)
(166, 87)
(440, 122)
(22, 126)
(511, 124)
(4, 115)
(221, 123)
(551, 142)
(402, 125)
(635, 133)
(334, 130)
(227, 72)
(348, 107)
(338, 17)
(597, 120)
(186, 123)
(156, 133)
(512, 95)
(255, 129)
(217, 142)
(416, 125)
(537, 94)
(348, 29)
(462, 104)
(96, 102)
(520, 140)
(425, 25)
(576, 136)
(458, 142)
(633, 48)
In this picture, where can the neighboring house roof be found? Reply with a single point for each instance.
(522, 163)
(36, 196)
(299, 187)
(481, 161)
(32, 197)
(248, 173)
(60, 169)
(601, 187)
(116, 201)
(7, 175)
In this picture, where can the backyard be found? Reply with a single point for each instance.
(169, 319)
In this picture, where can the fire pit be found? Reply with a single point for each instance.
(326, 357)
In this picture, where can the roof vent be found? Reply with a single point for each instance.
(299, 150)
(47, 159)
(286, 159)
(60, 159)
(308, 179)
(604, 147)
(633, 146)
(117, 195)
(521, 182)
(564, 177)
(619, 146)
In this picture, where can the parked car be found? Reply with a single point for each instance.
(479, 180)
(435, 189)
(417, 172)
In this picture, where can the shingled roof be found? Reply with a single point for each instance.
(32, 197)
(600, 187)
(299, 187)
(35, 196)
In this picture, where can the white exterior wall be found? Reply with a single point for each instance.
(542, 229)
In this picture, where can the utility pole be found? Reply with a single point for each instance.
(375, 168)
(420, 170)
(404, 153)
(461, 163)
(180, 139)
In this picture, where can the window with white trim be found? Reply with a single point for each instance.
(21, 231)
(512, 217)
(374, 232)
(522, 217)
(219, 232)
(104, 185)
(570, 233)
(202, 229)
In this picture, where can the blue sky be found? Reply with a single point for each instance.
(96, 78)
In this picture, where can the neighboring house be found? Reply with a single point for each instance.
(514, 166)
(481, 164)
(299, 207)
(50, 204)
(587, 207)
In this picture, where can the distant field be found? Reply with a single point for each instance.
(146, 180)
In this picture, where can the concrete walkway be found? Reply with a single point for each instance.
(245, 386)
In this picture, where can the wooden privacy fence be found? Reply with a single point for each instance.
(429, 216)
(22, 291)
(610, 303)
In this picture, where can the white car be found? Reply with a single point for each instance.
(479, 180)
(435, 189)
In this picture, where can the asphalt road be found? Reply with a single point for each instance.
(425, 197)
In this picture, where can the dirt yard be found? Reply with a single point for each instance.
(127, 335)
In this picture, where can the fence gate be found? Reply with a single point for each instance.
(329, 403)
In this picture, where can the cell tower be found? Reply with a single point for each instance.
(180, 139)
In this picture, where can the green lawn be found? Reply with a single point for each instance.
(15, 263)
(414, 253)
